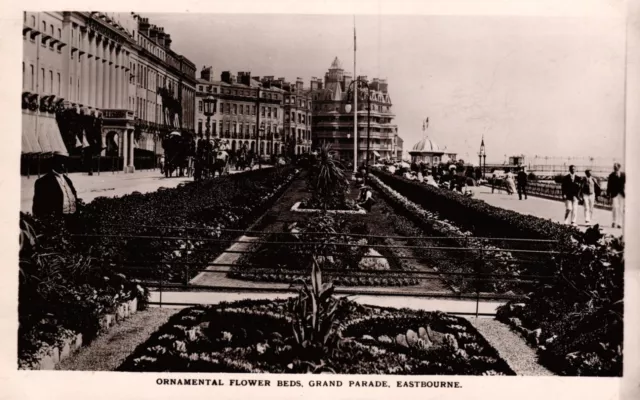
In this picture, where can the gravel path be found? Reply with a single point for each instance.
(512, 348)
(108, 351)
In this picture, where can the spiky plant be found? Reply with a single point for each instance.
(327, 179)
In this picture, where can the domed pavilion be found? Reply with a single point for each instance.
(427, 151)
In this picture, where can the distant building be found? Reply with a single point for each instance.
(334, 125)
(245, 106)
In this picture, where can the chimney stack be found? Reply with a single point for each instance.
(226, 77)
(207, 74)
(299, 84)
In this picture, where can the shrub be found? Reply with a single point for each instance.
(532, 176)
(558, 178)
(577, 324)
(62, 290)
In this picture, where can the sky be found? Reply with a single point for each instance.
(533, 85)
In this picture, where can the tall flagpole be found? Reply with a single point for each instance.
(355, 103)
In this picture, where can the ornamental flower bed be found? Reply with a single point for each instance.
(256, 337)
(200, 210)
(356, 265)
(63, 295)
(576, 324)
(482, 258)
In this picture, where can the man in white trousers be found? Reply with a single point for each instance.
(590, 190)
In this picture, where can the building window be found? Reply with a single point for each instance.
(50, 81)
(235, 109)
(44, 27)
(241, 109)
(32, 77)
(33, 21)
(275, 112)
(42, 81)
(200, 105)
(199, 126)
(253, 110)
(23, 71)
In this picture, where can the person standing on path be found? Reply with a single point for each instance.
(54, 193)
(522, 183)
(570, 194)
(589, 190)
(615, 191)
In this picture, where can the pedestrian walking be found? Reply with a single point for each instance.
(570, 195)
(494, 180)
(590, 189)
(510, 182)
(615, 191)
(522, 183)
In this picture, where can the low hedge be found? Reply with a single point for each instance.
(475, 215)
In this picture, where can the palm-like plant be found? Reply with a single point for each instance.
(327, 179)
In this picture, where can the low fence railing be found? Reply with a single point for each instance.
(551, 191)
(167, 259)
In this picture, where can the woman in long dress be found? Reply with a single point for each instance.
(510, 182)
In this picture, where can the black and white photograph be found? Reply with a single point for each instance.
(373, 199)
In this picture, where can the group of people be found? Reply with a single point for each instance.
(578, 191)
(512, 182)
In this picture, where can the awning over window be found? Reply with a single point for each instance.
(29, 140)
(376, 153)
(43, 137)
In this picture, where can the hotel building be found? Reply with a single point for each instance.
(334, 125)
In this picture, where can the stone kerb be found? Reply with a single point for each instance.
(296, 208)
(50, 356)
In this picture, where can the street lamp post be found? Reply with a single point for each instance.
(360, 83)
(261, 128)
(209, 110)
(258, 128)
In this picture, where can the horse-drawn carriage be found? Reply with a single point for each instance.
(178, 150)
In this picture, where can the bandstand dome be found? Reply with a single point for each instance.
(426, 145)
(427, 151)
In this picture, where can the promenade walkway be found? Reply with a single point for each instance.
(108, 184)
(543, 208)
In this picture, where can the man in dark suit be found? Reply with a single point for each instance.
(615, 191)
(570, 194)
(55, 195)
(521, 180)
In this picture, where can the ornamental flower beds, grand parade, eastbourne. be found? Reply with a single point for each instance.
(565, 285)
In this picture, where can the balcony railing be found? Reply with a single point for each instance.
(117, 114)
